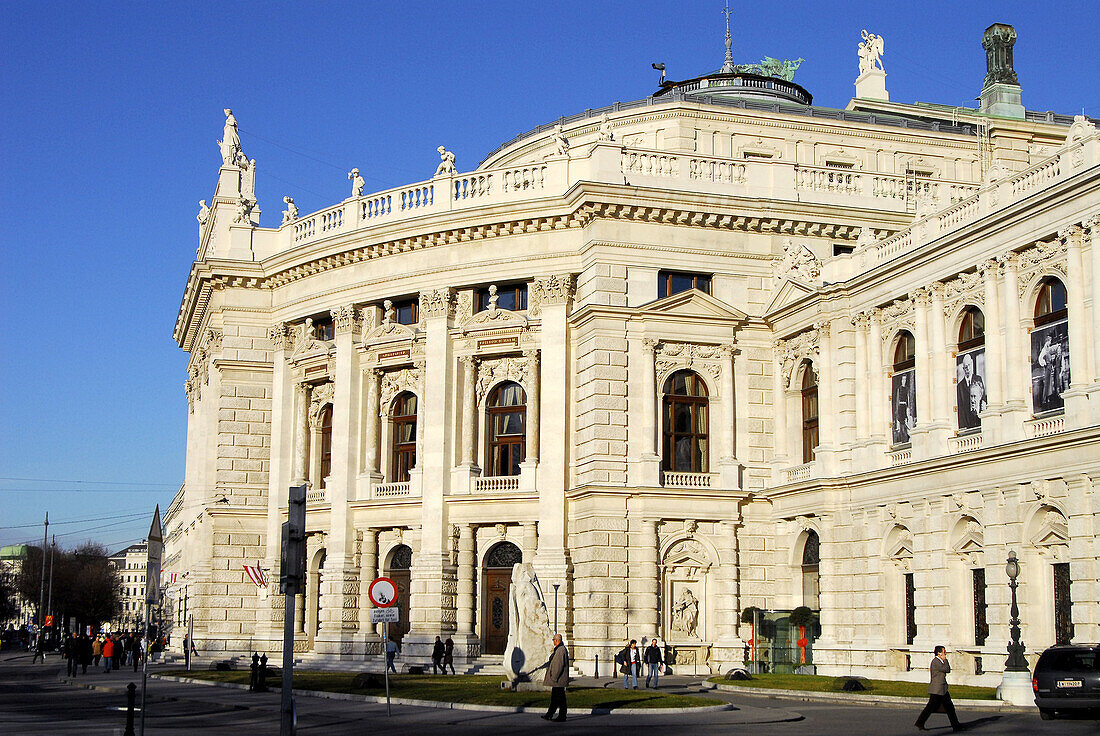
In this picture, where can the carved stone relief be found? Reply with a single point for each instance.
(494, 370)
(318, 398)
(395, 382)
(803, 346)
(707, 359)
(797, 263)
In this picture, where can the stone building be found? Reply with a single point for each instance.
(712, 350)
(129, 563)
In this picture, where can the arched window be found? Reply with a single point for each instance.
(811, 561)
(1050, 347)
(326, 444)
(970, 383)
(685, 448)
(809, 413)
(507, 415)
(403, 452)
(903, 390)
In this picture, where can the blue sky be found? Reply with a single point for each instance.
(107, 141)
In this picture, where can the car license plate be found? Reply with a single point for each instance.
(1070, 683)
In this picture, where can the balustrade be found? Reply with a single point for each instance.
(1045, 426)
(799, 473)
(496, 483)
(965, 443)
(392, 490)
(688, 480)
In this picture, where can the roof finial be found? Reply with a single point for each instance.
(727, 67)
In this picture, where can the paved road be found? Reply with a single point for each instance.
(34, 701)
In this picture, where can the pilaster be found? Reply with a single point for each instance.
(1076, 397)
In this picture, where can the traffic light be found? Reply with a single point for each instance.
(292, 558)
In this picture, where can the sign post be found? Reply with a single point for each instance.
(291, 574)
(154, 552)
(383, 594)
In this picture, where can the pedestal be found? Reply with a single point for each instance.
(871, 85)
(1015, 688)
(1002, 100)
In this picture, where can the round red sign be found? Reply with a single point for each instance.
(382, 593)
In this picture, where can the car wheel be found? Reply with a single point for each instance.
(1046, 714)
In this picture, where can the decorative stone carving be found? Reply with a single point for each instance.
(396, 382)
(501, 530)
(548, 290)
(494, 370)
(357, 183)
(1043, 257)
(998, 41)
(866, 238)
(798, 263)
(561, 143)
(307, 341)
(673, 356)
(529, 632)
(244, 211)
(606, 132)
(685, 614)
(870, 52)
(344, 319)
(436, 303)
(204, 213)
(248, 180)
(230, 144)
(803, 346)
(447, 165)
(318, 398)
(690, 525)
(281, 336)
(966, 288)
(290, 214)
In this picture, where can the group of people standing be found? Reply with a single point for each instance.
(81, 650)
(631, 659)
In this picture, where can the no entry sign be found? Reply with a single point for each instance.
(382, 592)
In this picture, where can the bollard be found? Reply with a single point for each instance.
(596, 672)
(253, 678)
(131, 693)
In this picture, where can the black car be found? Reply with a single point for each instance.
(1067, 678)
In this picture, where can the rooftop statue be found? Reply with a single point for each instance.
(770, 67)
(230, 144)
(606, 132)
(357, 183)
(561, 143)
(998, 41)
(204, 213)
(290, 214)
(870, 51)
(447, 165)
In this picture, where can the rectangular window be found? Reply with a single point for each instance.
(324, 329)
(910, 609)
(674, 282)
(407, 311)
(1063, 604)
(512, 297)
(981, 625)
(843, 250)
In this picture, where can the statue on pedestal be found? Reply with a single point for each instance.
(447, 165)
(529, 633)
(605, 132)
(248, 179)
(230, 144)
(870, 50)
(290, 214)
(357, 183)
(244, 211)
(561, 143)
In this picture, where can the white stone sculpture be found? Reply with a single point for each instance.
(606, 133)
(290, 214)
(561, 143)
(204, 213)
(798, 263)
(230, 144)
(248, 179)
(866, 238)
(447, 165)
(685, 613)
(357, 183)
(870, 51)
(244, 211)
(529, 632)
(387, 312)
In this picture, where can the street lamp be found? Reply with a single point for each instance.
(1016, 681)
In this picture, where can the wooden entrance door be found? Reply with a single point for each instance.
(494, 618)
(398, 630)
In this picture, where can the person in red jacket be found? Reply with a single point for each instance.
(108, 652)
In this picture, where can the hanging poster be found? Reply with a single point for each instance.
(903, 406)
(1049, 366)
(970, 385)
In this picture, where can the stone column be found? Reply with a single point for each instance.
(372, 419)
(645, 423)
(877, 411)
(341, 583)
(924, 389)
(469, 409)
(730, 649)
(648, 577)
(466, 569)
(942, 373)
(827, 404)
(369, 571)
(728, 464)
(781, 452)
(1076, 397)
(532, 428)
(429, 613)
(862, 387)
(1016, 377)
(994, 355)
(1092, 236)
(301, 434)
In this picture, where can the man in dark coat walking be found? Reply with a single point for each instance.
(557, 677)
(437, 657)
(937, 692)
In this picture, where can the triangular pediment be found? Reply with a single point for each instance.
(789, 292)
(693, 303)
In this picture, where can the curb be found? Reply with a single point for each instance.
(455, 706)
(857, 699)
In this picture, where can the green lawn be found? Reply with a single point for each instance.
(479, 689)
(820, 684)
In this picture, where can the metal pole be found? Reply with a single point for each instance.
(49, 599)
(42, 587)
(286, 719)
(190, 640)
(386, 651)
(145, 660)
(556, 586)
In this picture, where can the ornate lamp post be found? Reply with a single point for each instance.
(1016, 681)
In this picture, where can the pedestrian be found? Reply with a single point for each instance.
(654, 662)
(136, 652)
(938, 696)
(70, 650)
(39, 648)
(108, 653)
(449, 655)
(85, 653)
(391, 654)
(97, 650)
(557, 677)
(631, 664)
(437, 656)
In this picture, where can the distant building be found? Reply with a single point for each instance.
(130, 565)
(12, 559)
(712, 350)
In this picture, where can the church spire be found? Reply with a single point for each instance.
(727, 67)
